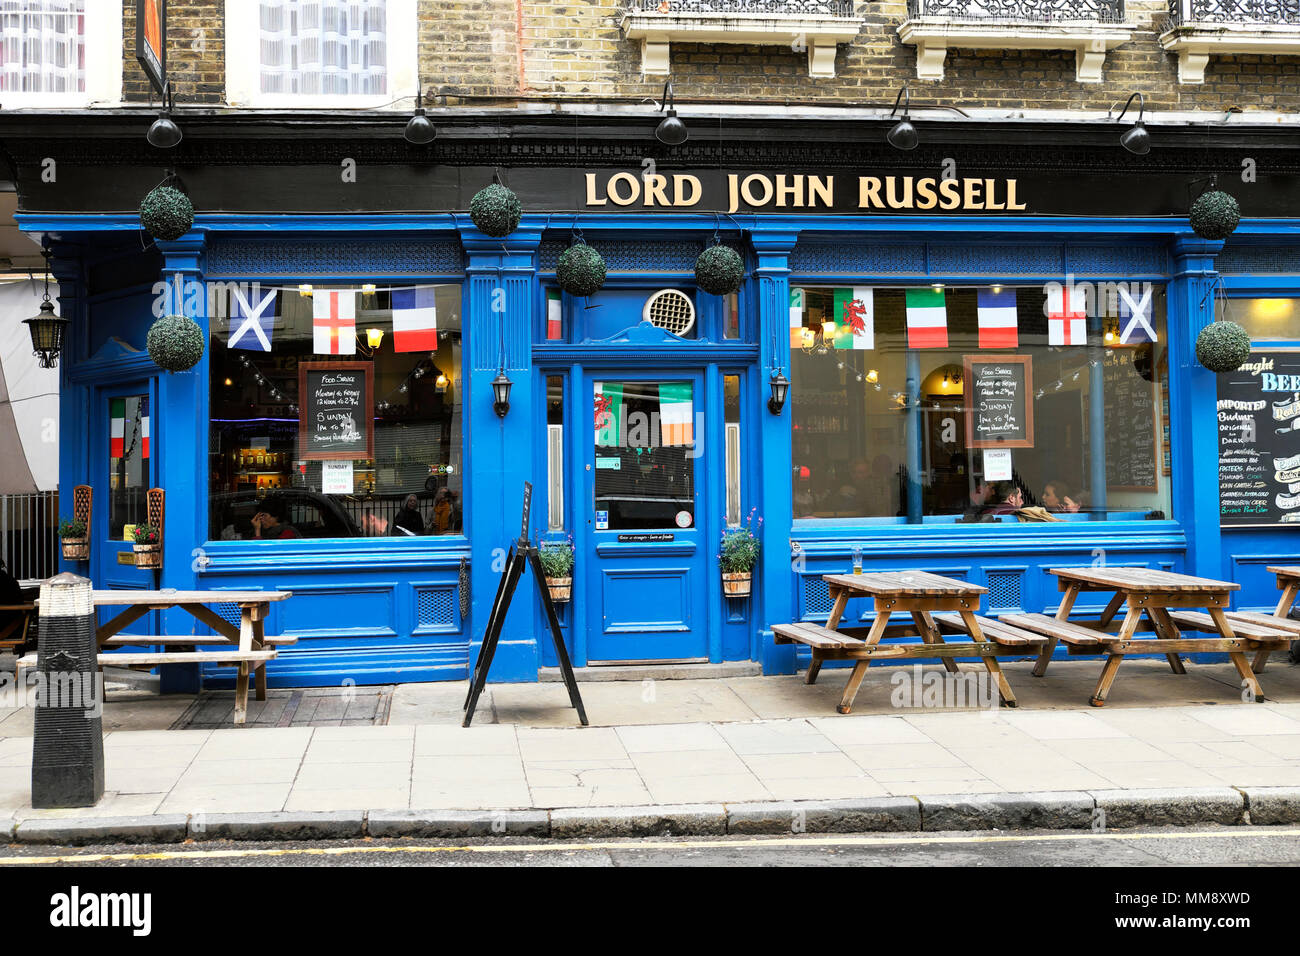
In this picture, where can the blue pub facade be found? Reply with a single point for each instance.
(888, 288)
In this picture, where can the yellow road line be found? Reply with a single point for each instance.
(900, 839)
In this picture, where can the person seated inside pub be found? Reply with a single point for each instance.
(979, 508)
(408, 521)
(270, 521)
(1010, 498)
(1056, 498)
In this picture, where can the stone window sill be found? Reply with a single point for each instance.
(1195, 43)
(1090, 41)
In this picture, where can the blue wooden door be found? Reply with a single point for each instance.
(644, 557)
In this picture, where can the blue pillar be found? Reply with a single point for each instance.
(1096, 415)
(1193, 405)
(774, 587)
(913, 437)
(501, 304)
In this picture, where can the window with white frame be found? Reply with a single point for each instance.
(287, 53)
(45, 59)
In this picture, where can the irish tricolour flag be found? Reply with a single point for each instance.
(554, 314)
(997, 319)
(675, 418)
(927, 319)
(415, 319)
(855, 324)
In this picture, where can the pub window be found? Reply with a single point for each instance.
(990, 404)
(731, 421)
(128, 462)
(1264, 318)
(374, 446)
(554, 453)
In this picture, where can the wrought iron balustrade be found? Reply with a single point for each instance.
(806, 8)
(1276, 12)
(1035, 11)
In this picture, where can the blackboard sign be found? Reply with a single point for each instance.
(336, 410)
(1259, 440)
(1129, 392)
(999, 411)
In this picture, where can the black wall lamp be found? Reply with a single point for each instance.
(902, 135)
(1135, 139)
(501, 393)
(419, 130)
(164, 133)
(46, 328)
(780, 386)
(671, 131)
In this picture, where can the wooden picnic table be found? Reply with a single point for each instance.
(250, 649)
(922, 596)
(1167, 600)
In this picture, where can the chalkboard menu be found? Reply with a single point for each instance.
(1129, 392)
(336, 410)
(999, 411)
(1259, 440)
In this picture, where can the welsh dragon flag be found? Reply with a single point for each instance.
(855, 324)
(609, 414)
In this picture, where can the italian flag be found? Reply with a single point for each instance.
(927, 319)
(796, 318)
(553, 313)
(675, 413)
(117, 427)
(855, 324)
(609, 414)
(144, 426)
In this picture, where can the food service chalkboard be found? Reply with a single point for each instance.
(1259, 440)
(1129, 392)
(999, 411)
(336, 410)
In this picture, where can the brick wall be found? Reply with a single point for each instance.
(512, 48)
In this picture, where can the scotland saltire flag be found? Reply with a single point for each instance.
(1135, 317)
(250, 326)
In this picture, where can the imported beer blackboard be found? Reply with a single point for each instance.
(1129, 391)
(336, 410)
(999, 410)
(1259, 440)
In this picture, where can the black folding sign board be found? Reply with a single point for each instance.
(521, 553)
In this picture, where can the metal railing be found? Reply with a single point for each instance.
(1038, 11)
(819, 8)
(29, 534)
(1277, 12)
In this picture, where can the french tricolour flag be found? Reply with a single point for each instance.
(927, 319)
(415, 319)
(1066, 321)
(997, 319)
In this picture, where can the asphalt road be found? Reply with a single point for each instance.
(1228, 846)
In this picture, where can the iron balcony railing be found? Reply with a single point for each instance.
(1275, 12)
(29, 534)
(1036, 11)
(805, 8)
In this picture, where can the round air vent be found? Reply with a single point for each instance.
(671, 310)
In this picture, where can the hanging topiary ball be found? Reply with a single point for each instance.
(1223, 346)
(719, 270)
(581, 270)
(166, 213)
(1215, 215)
(495, 210)
(175, 343)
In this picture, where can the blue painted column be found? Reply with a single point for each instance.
(66, 285)
(1193, 405)
(179, 420)
(913, 437)
(774, 587)
(1096, 416)
(501, 301)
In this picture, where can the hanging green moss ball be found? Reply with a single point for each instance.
(175, 343)
(1223, 346)
(581, 270)
(1215, 215)
(719, 270)
(495, 210)
(166, 213)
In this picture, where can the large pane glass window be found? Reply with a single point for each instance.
(43, 46)
(993, 404)
(645, 455)
(128, 462)
(1267, 318)
(265, 482)
(333, 47)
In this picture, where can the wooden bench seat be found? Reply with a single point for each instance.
(1247, 629)
(999, 632)
(154, 640)
(814, 635)
(1265, 620)
(1050, 627)
(235, 656)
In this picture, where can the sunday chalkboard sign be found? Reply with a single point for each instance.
(1129, 391)
(1259, 440)
(336, 410)
(999, 409)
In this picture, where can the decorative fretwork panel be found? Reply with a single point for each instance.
(1004, 590)
(1107, 11)
(634, 256)
(1282, 12)
(819, 8)
(970, 259)
(353, 257)
(1017, 260)
(1264, 260)
(853, 258)
(436, 607)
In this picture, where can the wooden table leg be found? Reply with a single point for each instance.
(1248, 678)
(1062, 614)
(1111, 667)
(1287, 600)
(814, 667)
(259, 635)
(860, 668)
(1112, 609)
(930, 635)
(990, 663)
(841, 599)
(241, 693)
(1166, 628)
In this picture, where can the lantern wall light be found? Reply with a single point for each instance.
(779, 386)
(47, 329)
(501, 394)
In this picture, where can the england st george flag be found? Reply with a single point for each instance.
(334, 322)
(1067, 323)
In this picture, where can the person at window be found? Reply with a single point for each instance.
(1056, 498)
(269, 521)
(408, 521)
(444, 512)
(1010, 498)
(979, 508)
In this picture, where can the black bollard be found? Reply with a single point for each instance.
(68, 742)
